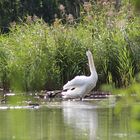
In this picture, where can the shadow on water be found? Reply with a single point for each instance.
(65, 120)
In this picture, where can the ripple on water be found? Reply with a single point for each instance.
(18, 107)
(85, 104)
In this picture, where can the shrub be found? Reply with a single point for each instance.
(37, 56)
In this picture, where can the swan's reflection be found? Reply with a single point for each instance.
(82, 116)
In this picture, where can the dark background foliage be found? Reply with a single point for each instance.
(15, 10)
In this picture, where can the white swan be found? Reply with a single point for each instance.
(81, 85)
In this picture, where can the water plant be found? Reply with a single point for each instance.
(36, 56)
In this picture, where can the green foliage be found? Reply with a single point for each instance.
(31, 64)
(137, 4)
(35, 56)
(15, 10)
(128, 97)
(70, 54)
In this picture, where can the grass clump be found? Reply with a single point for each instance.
(36, 56)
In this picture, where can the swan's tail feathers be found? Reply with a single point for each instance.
(76, 82)
(67, 85)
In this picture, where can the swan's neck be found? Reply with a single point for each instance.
(91, 65)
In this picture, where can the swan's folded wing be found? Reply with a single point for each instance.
(76, 82)
(76, 92)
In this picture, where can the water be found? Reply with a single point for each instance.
(66, 120)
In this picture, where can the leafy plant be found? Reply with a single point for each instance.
(36, 56)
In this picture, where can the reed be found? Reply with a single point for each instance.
(36, 56)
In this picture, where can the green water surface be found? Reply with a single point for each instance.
(66, 120)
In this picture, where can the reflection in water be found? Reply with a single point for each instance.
(81, 118)
(65, 120)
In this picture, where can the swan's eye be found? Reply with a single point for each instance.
(72, 88)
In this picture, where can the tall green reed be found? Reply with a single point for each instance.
(31, 63)
(37, 56)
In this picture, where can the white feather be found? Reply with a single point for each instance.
(81, 85)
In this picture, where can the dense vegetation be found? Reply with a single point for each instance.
(15, 10)
(36, 56)
(45, 46)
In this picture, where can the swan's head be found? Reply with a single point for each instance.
(88, 53)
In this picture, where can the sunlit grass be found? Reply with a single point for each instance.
(36, 56)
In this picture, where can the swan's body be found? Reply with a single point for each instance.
(81, 85)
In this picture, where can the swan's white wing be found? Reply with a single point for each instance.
(74, 93)
(81, 85)
(76, 82)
